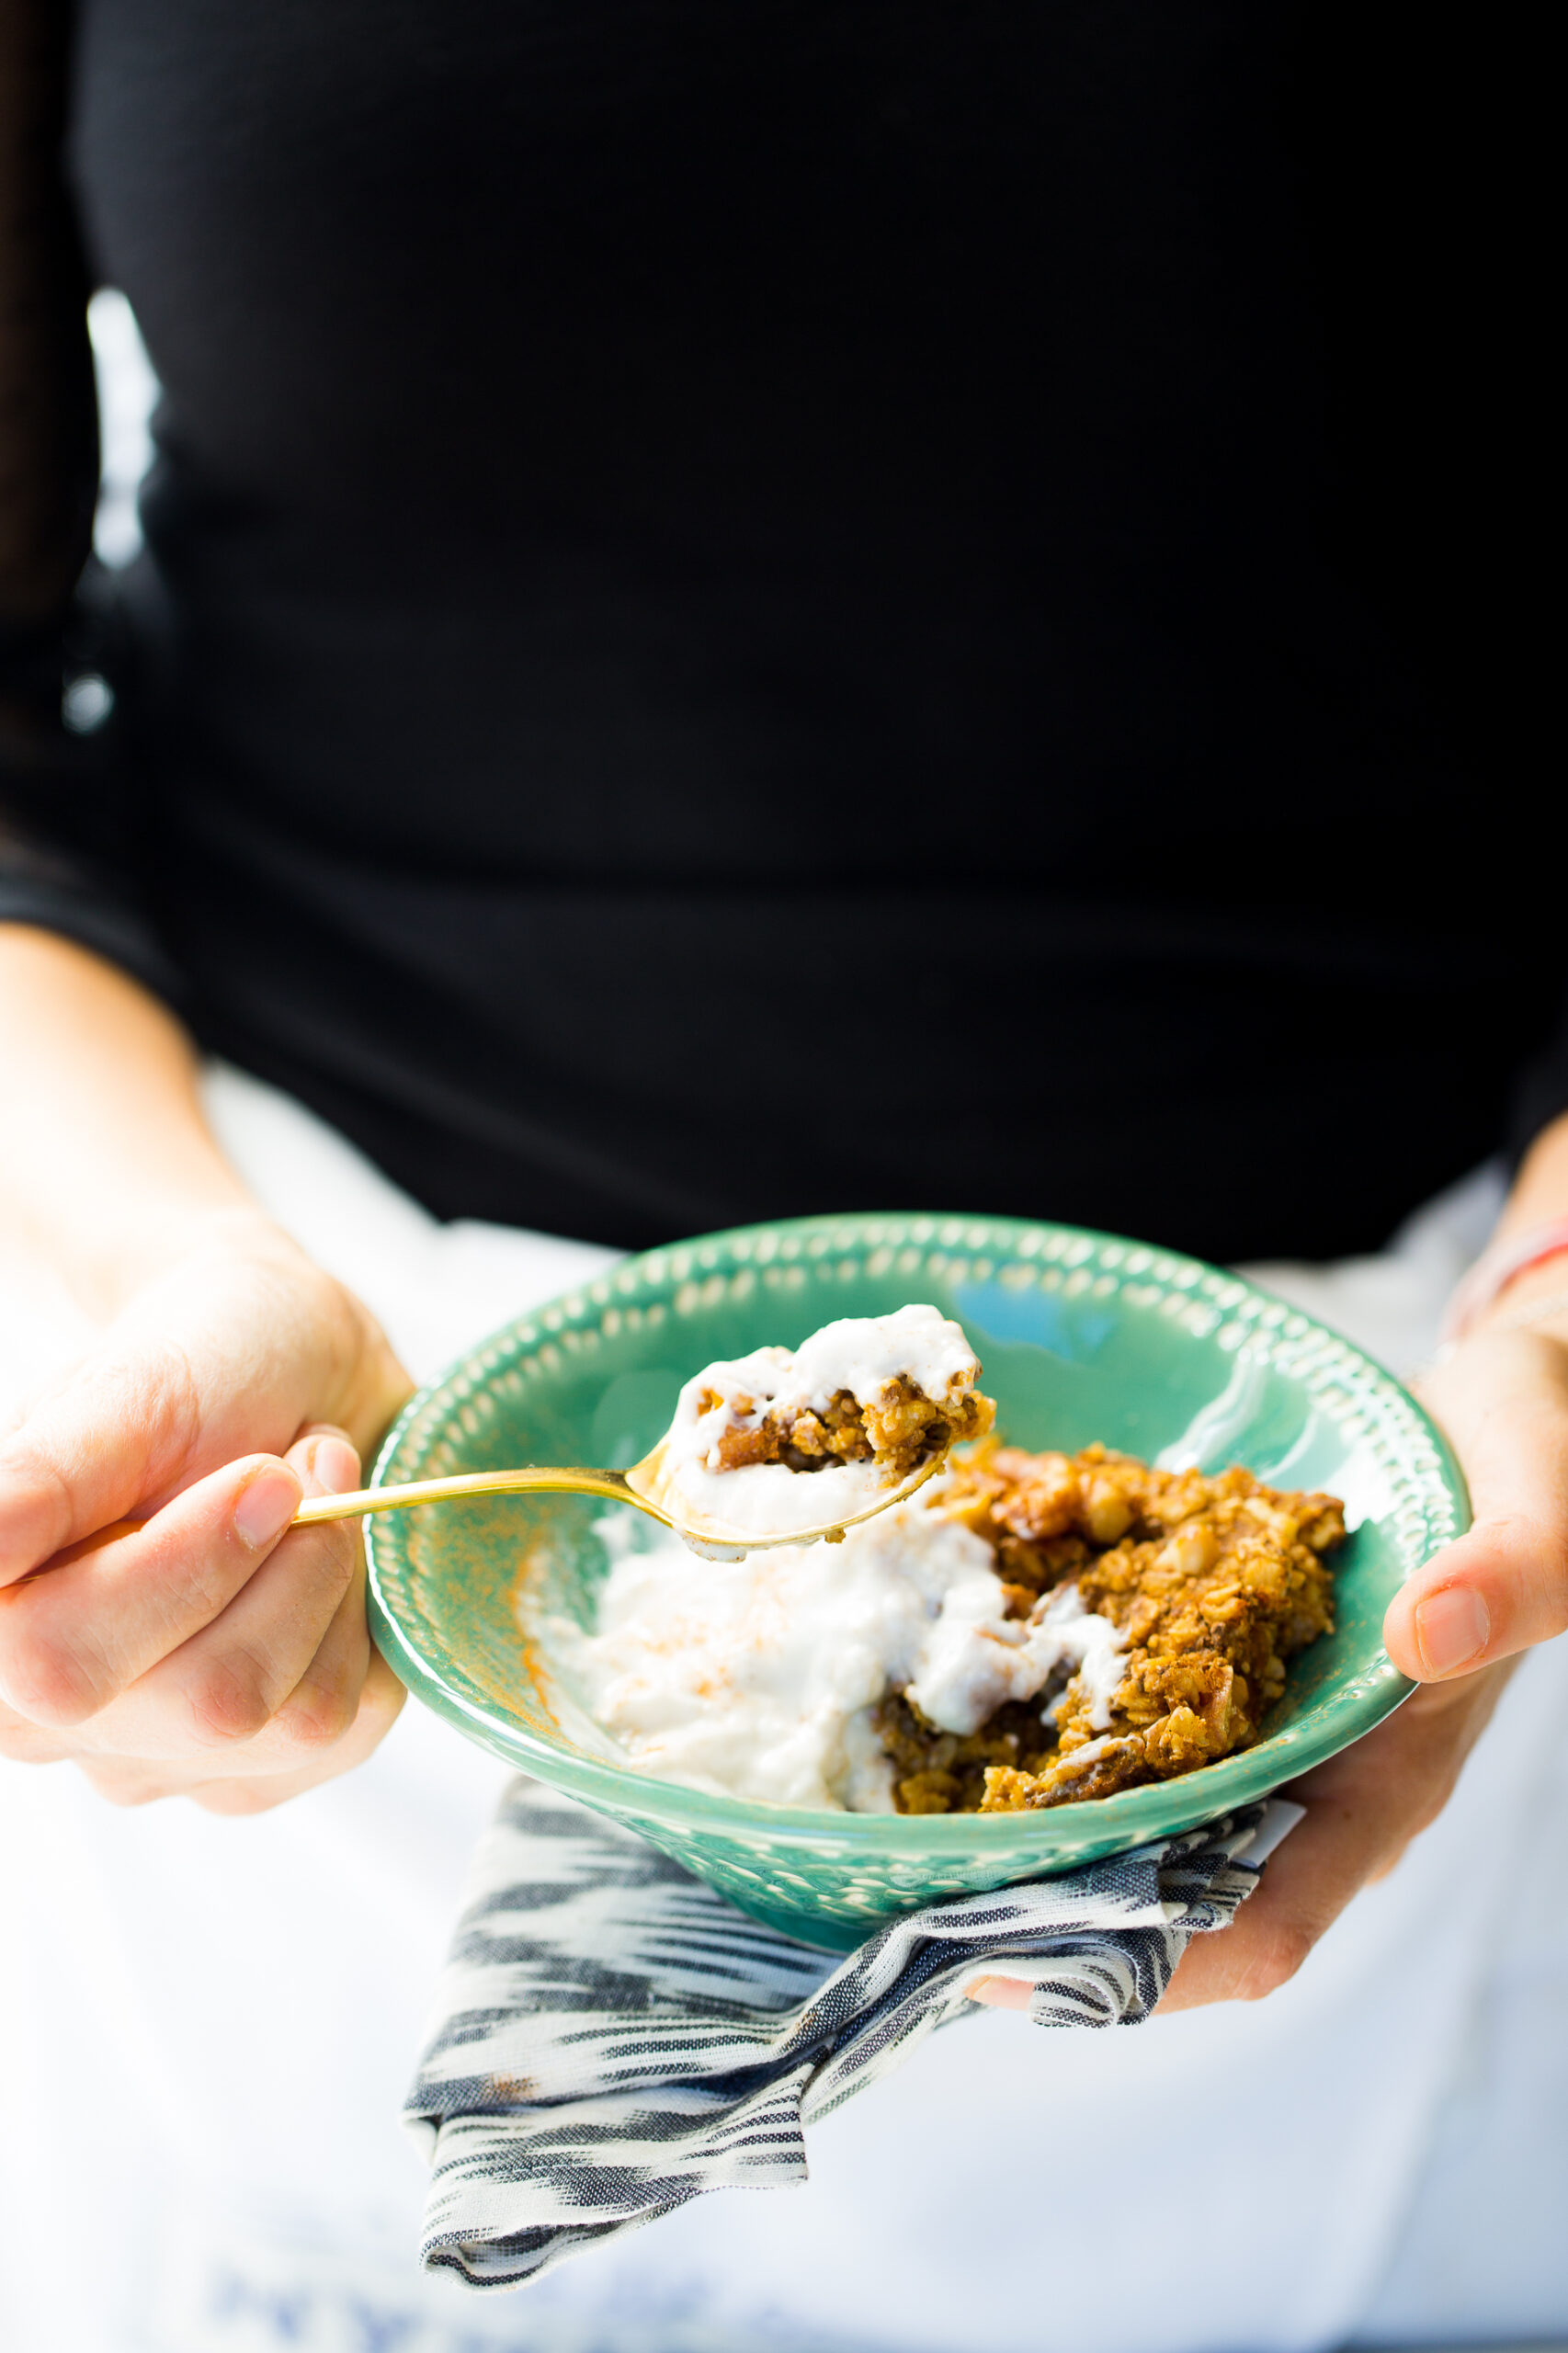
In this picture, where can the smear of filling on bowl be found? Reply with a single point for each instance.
(1031, 1630)
(781, 1440)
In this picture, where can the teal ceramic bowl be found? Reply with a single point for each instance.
(1082, 1335)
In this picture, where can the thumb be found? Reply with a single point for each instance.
(125, 1426)
(1502, 1397)
(91, 1447)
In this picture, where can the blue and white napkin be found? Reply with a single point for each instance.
(614, 2038)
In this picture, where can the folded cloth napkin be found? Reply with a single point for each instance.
(614, 2038)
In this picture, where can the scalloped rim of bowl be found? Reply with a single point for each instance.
(1155, 1810)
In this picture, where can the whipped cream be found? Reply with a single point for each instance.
(756, 1678)
(864, 1354)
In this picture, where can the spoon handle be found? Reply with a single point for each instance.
(611, 1484)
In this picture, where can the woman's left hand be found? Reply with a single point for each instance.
(1456, 1628)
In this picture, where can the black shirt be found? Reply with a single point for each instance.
(755, 609)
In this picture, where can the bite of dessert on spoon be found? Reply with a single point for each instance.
(779, 1447)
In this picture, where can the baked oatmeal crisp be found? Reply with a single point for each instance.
(1213, 1584)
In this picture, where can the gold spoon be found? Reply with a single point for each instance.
(638, 1487)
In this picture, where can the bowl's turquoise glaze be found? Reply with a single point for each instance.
(1082, 1337)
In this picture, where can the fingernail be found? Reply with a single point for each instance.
(1452, 1627)
(334, 1466)
(265, 1506)
(1000, 1992)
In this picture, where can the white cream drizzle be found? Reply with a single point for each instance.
(756, 1678)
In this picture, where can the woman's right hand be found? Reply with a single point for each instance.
(206, 1651)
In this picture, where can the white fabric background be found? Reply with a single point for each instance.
(206, 2027)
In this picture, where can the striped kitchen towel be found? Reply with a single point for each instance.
(614, 2038)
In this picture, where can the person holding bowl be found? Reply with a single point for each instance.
(736, 617)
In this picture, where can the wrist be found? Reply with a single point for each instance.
(237, 1264)
(107, 1257)
(1527, 1261)
(1536, 1299)
(165, 1236)
(121, 1173)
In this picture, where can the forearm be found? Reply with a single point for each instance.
(161, 1620)
(110, 1169)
